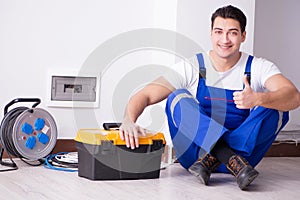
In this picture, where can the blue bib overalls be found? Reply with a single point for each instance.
(196, 124)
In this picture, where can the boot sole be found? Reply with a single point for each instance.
(202, 180)
(202, 175)
(251, 176)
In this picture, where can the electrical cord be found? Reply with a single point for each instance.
(6, 139)
(7, 129)
(63, 161)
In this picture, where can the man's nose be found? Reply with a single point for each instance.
(225, 38)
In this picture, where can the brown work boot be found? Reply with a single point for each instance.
(242, 170)
(203, 167)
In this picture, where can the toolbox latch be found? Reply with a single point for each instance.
(107, 147)
(157, 145)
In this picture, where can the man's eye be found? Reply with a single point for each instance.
(234, 33)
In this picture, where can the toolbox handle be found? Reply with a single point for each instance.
(111, 125)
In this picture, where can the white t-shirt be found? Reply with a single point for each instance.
(185, 74)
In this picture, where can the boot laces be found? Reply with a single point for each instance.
(236, 164)
(210, 162)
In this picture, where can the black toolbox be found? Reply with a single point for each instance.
(102, 155)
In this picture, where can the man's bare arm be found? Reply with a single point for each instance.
(151, 94)
(282, 95)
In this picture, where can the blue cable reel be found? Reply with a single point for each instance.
(27, 133)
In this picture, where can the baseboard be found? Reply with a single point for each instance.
(276, 150)
(65, 145)
(284, 150)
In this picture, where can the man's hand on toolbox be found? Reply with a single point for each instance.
(130, 131)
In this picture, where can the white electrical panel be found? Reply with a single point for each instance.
(69, 90)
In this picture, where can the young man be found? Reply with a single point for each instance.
(222, 116)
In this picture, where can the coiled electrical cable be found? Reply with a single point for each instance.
(6, 134)
(32, 143)
(6, 140)
(63, 161)
(7, 129)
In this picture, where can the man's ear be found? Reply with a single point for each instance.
(243, 36)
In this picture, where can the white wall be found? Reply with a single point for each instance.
(277, 30)
(59, 35)
(72, 35)
(194, 16)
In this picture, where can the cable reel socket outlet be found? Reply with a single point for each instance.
(34, 132)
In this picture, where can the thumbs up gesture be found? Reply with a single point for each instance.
(246, 98)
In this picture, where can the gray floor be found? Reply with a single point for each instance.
(279, 179)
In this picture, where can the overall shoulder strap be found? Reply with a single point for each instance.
(248, 68)
(202, 70)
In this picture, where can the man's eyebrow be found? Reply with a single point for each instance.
(234, 29)
(216, 28)
(231, 29)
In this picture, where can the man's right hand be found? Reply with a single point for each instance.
(152, 93)
(130, 131)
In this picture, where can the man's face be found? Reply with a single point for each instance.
(226, 37)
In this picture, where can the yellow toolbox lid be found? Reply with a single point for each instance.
(95, 136)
